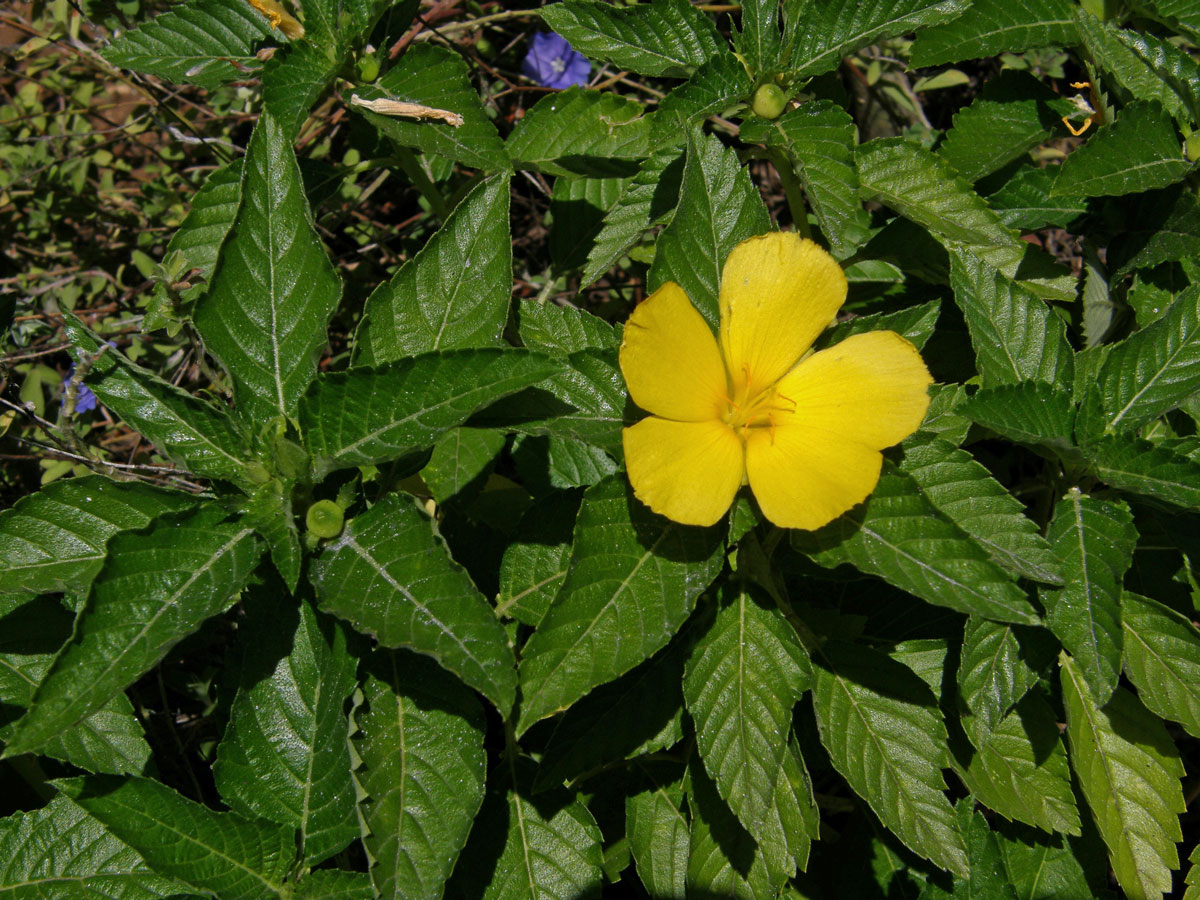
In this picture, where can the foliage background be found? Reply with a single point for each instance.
(982, 682)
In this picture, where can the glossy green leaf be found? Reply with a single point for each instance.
(1094, 539)
(213, 209)
(110, 740)
(884, 734)
(461, 463)
(649, 198)
(420, 740)
(61, 851)
(634, 578)
(578, 207)
(1158, 226)
(964, 490)
(204, 42)
(1162, 659)
(743, 679)
(536, 562)
(204, 439)
(581, 132)
(996, 26)
(437, 77)
(218, 852)
(334, 884)
(1024, 201)
(659, 836)
(1043, 866)
(725, 860)
(369, 416)
(819, 139)
(1179, 15)
(915, 324)
(1021, 772)
(823, 33)
(665, 38)
(273, 290)
(599, 731)
(55, 539)
(1193, 875)
(295, 78)
(284, 755)
(924, 188)
(719, 208)
(1129, 772)
(563, 330)
(1140, 151)
(391, 576)
(270, 513)
(758, 38)
(1163, 471)
(900, 536)
(1030, 412)
(157, 587)
(454, 293)
(998, 664)
(987, 879)
(1150, 372)
(720, 85)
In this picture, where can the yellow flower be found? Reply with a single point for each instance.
(804, 431)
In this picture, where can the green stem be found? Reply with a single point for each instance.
(792, 189)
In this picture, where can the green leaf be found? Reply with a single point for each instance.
(1143, 65)
(214, 207)
(334, 884)
(54, 540)
(758, 39)
(204, 42)
(719, 208)
(1024, 201)
(1193, 875)
(725, 861)
(819, 139)
(108, 741)
(1129, 772)
(720, 85)
(743, 679)
(216, 852)
(670, 37)
(1150, 372)
(536, 562)
(581, 132)
(563, 330)
(1163, 471)
(1162, 659)
(454, 293)
(1138, 152)
(577, 210)
(1011, 115)
(284, 755)
(420, 739)
(997, 667)
(391, 576)
(1095, 540)
(924, 188)
(1021, 770)
(157, 587)
(660, 839)
(987, 880)
(60, 851)
(649, 198)
(295, 77)
(461, 463)
(363, 417)
(884, 734)
(599, 731)
(823, 33)
(274, 288)
(437, 77)
(634, 578)
(966, 493)
(1031, 412)
(1156, 227)
(915, 324)
(269, 512)
(1181, 15)
(993, 27)
(900, 536)
(545, 846)
(204, 439)
(1042, 866)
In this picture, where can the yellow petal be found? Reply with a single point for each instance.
(834, 413)
(778, 292)
(670, 359)
(804, 478)
(686, 471)
(871, 388)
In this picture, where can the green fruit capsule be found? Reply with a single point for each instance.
(325, 519)
(368, 67)
(1191, 147)
(769, 101)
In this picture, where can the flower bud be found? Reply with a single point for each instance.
(325, 519)
(769, 101)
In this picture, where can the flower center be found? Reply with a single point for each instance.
(558, 65)
(748, 407)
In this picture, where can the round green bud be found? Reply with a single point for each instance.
(368, 67)
(1191, 147)
(325, 519)
(769, 101)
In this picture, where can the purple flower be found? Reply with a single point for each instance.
(85, 400)
(552, 63)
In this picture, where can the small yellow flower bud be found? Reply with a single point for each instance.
(769, 101)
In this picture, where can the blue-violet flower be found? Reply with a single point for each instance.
(552, 63)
